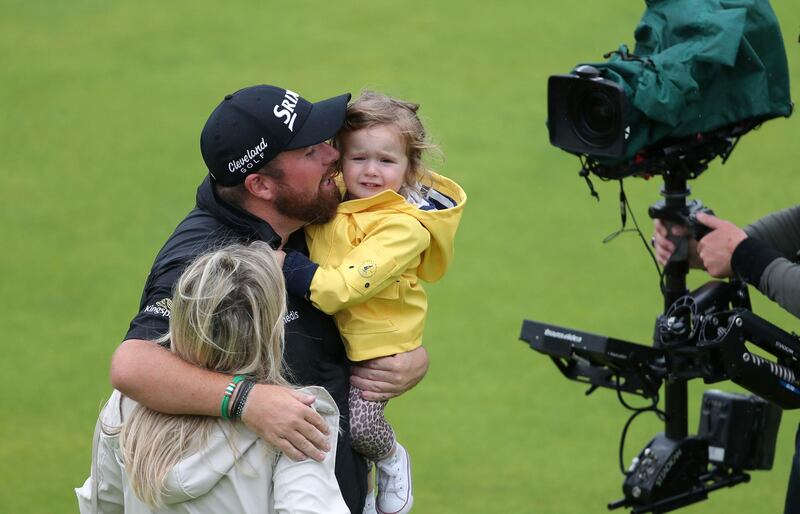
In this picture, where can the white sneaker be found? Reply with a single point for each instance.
(369, 504)
(394, 482)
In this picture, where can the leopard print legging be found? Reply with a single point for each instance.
(372, 436)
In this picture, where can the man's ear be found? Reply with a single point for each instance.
(260, 186)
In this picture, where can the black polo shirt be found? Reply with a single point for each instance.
(314, 351)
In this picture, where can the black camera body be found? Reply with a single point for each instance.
(587, 114)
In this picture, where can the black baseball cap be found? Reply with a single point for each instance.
(252, 126)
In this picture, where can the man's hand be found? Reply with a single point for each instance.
(386, 377)
(281, 256)
(665, 247)
(285, 419)
(162, 381)
(716, 248)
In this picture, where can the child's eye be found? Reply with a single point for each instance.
(389, 161)
(311, 151)
(356, 158)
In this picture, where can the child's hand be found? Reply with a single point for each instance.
(281, 255)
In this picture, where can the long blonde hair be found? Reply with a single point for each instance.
(227, 315)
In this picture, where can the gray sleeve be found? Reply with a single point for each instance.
(780, 280)
(781, 230)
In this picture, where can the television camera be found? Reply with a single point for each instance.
(702, 75)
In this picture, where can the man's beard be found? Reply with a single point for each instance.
(319, 208)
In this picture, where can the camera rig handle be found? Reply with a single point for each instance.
(688, 218)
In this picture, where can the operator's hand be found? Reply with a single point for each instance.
(386, 377)
(716, 249)
(664, 246)
(284, 418)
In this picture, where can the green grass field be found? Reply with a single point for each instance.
(102, 107)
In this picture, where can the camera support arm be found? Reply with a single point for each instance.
(774, 381)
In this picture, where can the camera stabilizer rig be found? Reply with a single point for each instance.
(702, 334)
(691, 87)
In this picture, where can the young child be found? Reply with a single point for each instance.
(227, 315)
(396, 226)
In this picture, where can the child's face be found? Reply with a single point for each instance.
(373, 160)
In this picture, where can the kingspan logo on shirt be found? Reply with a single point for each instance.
(161, 308)
(252, 157)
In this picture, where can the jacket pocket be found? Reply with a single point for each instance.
(367, 318)
(390, 292)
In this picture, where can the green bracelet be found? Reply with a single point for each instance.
(227, 397)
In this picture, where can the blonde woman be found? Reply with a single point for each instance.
(227, 315)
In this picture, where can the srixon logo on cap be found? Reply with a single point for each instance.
(287, 113)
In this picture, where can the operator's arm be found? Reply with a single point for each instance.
(763, 253)
(780, 230)
(375, 263)
(766, 259)
(156, 378)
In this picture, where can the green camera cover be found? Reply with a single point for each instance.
(700, 65)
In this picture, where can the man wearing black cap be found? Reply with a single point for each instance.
(270, 173)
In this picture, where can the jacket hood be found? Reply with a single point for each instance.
(442, 224)
(198, 473)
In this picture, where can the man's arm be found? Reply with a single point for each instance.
(162, 381)
(760, 253)
(386, 377)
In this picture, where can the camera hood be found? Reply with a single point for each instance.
(698, 66)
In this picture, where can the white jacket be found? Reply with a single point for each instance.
(214, 480)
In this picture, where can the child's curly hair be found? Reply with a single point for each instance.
(372, 109)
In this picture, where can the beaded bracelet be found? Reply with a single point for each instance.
(227, 397)
(241, 399)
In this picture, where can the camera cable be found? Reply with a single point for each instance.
(624, 210)
(653, 407)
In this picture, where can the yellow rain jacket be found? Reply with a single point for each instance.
(371, 257)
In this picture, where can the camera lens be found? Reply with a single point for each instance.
(594, 115)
